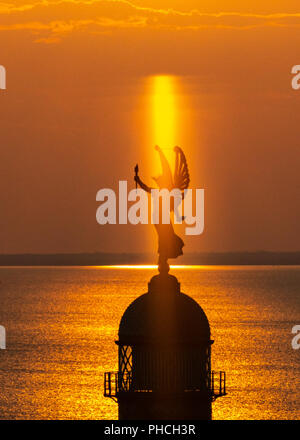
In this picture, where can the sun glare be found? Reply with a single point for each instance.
(151, 266)
(164, 111)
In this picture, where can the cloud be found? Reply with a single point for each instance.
(58, 18)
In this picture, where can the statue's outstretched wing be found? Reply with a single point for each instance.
(181, 172)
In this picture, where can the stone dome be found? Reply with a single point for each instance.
(164, 316)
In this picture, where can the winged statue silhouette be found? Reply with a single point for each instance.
(169, 244)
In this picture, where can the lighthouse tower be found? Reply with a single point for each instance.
(164, 357)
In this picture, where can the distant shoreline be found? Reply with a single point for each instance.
(107, 259)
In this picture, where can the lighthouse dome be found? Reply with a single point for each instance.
(164, 316)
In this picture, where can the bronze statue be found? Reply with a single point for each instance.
(169, 244)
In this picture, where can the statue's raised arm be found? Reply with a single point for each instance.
(139, 182)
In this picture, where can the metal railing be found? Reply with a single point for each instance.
(111, 387)
(217, 384)
(115, 383)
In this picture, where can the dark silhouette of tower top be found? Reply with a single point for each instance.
(164, 357)
(164, 313)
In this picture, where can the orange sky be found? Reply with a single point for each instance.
(75, 118)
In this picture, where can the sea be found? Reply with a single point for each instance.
(62, 323)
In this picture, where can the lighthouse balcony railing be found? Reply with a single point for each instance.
(116, 383)
(217, 384)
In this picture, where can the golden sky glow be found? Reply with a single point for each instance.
(50, 21)
(93, 85)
